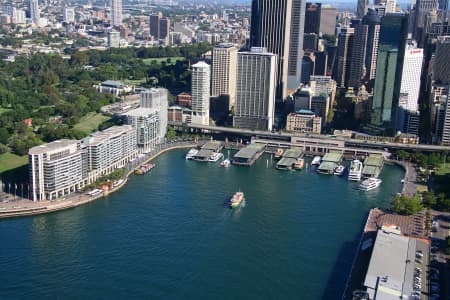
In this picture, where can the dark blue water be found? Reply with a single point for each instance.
(169, 235)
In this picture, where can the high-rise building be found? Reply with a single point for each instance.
(364, 49)
(18, 16)
(422, 8)
(154, 25)
(113, 39)
(255, 90)
(391, 6)
(296, 44)
(157, 98)
(271, 29)
(328, 15)
(116, 13)
(164, 28)
(34, 12)
(312, 17)
(362, 7)
(147, 123)
(310, 41)
(201, 73)
(344, 55)
(391, 48)
(446, 127)
(224, 63)
(69, 15)
(410, 82)
(441, 65)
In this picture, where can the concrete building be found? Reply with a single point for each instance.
(201, 73)
(304, 121)
(116, 13)
(224, 72)
(154, 25)
(157, 99)
(441, 65)
(69, 15)
(164, 28)
(184, 99)
(410, 82)
(323, 85)
(446, 128)
(113, 87)
(344, 55)
(312, 17)
(147, 124)
(18, 16)
(422, 8)
(35, 13)
(56, 169)
(255, 90)
(113, 39)
(328, 16)
(296, 45)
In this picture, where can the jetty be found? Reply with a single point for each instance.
(289, 158)
(373, 164)
(248, 155)
(330, 161)
(207, 149)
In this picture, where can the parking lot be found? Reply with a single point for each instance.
(421, 270)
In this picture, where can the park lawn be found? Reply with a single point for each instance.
(10, 161)
(174, 59)
(90, 122)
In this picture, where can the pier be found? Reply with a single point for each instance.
(289, 158)
(329, 162)
(207, 149)
(248, 155)
(373, 164)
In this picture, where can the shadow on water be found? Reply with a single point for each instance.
(337, 281)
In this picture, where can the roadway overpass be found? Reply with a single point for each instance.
(283, 136)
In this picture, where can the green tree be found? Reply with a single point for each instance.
(171, 133)
(429, 199)
(406, 205)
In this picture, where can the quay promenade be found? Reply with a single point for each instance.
(26, 207)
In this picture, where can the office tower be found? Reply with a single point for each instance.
(116, 13)
(154, 25)
(164, 28)
(113, 39)
(441, 65)
(56, 169)
(224, 62)
(391, 50)
(69, 15)
(308, 64)
(362, 7)
(270, 29)
(296, 44)
(34, 12)
(320, 63)
(323, 85)
(410, 82)
(364, 49)
(446, 127)
(255, 90)
(201, 73)
(344, 56)
(312, 17)
(157, 98)
(328, 19)
(422, 8)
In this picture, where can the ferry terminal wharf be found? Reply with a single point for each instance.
(289, 157)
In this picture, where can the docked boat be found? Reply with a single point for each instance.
(226, 163)
(279, 153)
(299, 164)
(190, 155)
(370, 184)
(215, 156)
(355, 171)
(144, 169)
(316, 161)
(339, 170)
(237, 199)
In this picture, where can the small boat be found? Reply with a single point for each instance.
(339, 170)
(370, 184)
(355, 172)
(215, 156)
(236, 200)
(299, 164)
(316, 161)
(226, 163)
(144, 169)
(279, 153)
(190, 155)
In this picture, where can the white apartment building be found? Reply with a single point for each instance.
(156, 98)
(113, 39)
(446, 128)
(201, 73)
(69, 15)
(147, 124)
(410, 84)
(224, 71)
(18, 16)
(34, 12)
(255, 90)
(56, 169)
(116, 12)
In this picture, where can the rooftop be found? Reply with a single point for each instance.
(104, 135)
(331, 156)
(140, 112)
(52, 146)
(293, 153)
(374, 160)
(249, 151)
(212, 145)
(113, 83)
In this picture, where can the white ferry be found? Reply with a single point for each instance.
(339, 170)
(316, 161)
(215, 156)
(370, 184)
(355, 172)
(190, 155)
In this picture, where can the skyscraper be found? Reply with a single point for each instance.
(344, 56)
(224, 71)
(312, 17)
(422, 8)
(391, 48)
(271, 29)
(255, 90)
(296, 44)
(154, 25)
(201, 73)
(446, 127)
(34, 12)
(362, 7)
(441, 65)
(410, 83)
(327, 22)
(116, 13)
(164, 28)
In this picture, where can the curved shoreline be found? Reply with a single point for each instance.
(44, 207)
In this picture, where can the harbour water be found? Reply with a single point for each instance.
(170, 235)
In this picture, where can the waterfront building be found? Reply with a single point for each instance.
(224, 72)
(113, 39)
(389, 70)
(304, 121)
(56, 169)
(255, 90)
(147, 124)
(441, 65)
(344, 56)
(200, 93)
(175, 114)
(69, 15)
(34, 12)
(157, 99)
(271, 29)
(116, 13)
(328, 15)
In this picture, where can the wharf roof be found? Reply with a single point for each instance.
(371, 170)
(327, 166)
(212, 145)
(249, 151)
(332, 156)
(52, 146)
(294, 152)
(374, 160)
(286, 161)
(204, 153)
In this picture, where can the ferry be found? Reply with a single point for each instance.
(339, 170)
(279, 153)
(215, 156)
(299, 164)
(355, 172)
(190, 155)
(226, 163)
(144, 169)
(370, 184)
(236, 200)
(316, 161)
